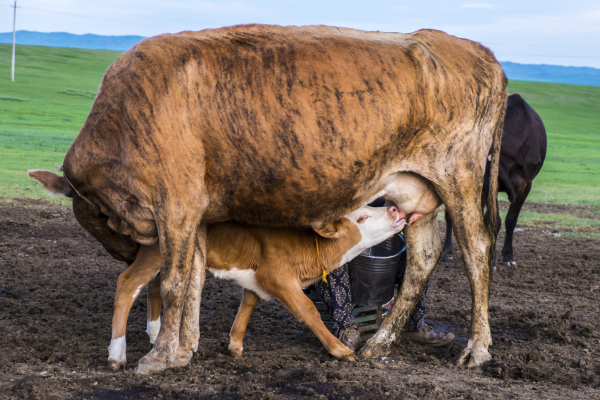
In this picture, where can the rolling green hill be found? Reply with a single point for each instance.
(42, 111)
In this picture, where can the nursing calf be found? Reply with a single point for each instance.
(267, 263)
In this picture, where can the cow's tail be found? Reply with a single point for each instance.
(491, 214)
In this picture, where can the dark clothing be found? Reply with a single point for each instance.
(335, 295)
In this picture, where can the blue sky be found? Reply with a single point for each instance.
(526, 31)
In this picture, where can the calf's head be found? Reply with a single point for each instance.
(374, 224)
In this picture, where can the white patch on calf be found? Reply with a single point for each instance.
(152, 329)
(245, 278)
(117, 349)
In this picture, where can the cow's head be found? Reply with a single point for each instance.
(91, 218)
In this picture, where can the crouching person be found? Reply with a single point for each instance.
(336, 296)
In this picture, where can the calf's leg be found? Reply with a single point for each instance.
(238, 330)
(423, 252)
(129, 285)
(291, 295)
(154, 304)
(510, 223)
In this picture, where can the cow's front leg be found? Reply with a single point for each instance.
(177, 235)
(189, 333)
(423, 249)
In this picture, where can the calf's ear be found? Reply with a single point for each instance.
(52, 182)
(330, 230)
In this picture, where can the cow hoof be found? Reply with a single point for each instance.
(116, 365)
(374, 350)
(182, 359)
(509, 264)
(473, 358)
(237, 353)
(348, 358)
(150, 363)
(195, 347)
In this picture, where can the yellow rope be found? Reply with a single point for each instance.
(324, 276)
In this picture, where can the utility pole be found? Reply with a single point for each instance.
(12, 75)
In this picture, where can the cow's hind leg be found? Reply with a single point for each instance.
(423, 249)
(178, 223)
(129, 285)
(512, 216)
(154, 304)
(475, 243)
(238, 330)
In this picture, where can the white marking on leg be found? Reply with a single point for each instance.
(137, 291)
(245, 278)
(117, 350)
(152, 329)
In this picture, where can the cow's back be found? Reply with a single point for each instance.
(282, 125)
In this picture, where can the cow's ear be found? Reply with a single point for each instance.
(53, 183)
(330, 230)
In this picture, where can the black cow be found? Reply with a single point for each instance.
(521, 158)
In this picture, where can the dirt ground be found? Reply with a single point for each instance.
(57, 286)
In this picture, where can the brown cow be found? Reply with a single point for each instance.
(287, 126)
(267, 262)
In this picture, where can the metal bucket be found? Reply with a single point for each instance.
(373, 272)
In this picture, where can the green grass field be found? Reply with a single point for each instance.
(43, 110)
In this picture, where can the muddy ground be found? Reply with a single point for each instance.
(57, 285)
